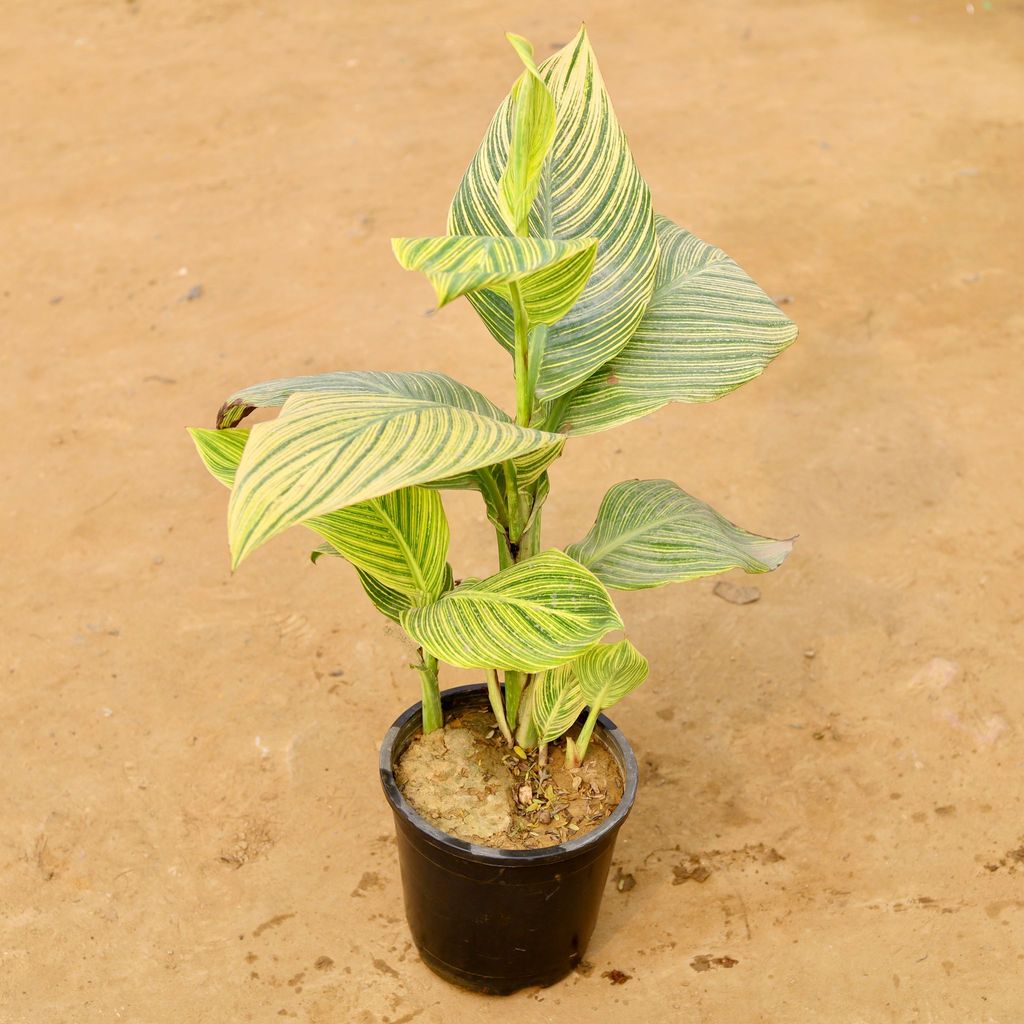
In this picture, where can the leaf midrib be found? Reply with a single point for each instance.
(620, 539)
(411, 562)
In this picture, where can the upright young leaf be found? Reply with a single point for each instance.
(529, 617)
(609, 672)
(589, 187)
(556, 702)
(533, 128)
(650, 532)
(708, 329)
(327, 451)
(461, 264)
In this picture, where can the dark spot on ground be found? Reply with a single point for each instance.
(706, 962)
(271, 923)
(617, 977)
(370, 880)
(385, 968)
(690, 869)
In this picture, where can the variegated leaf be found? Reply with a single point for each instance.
(391, 603)
(400, 538)
(650, 532)
(589, 187)
(531, 616)
(459, 264)
(435, 387)
(220, 450)
(533, 128)
(429, 387)
(387, 601)
(530, 467)
(708, 329)
(556, 702)
(609, 672)
(326, 451)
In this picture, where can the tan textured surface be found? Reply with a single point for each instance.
(191, 824)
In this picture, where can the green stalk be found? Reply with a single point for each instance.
(526, 734)
(524, 395)
(431, 692)
(524, 542)
(513, 697)
(586, 732)
(494, 693)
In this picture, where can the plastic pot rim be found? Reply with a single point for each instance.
(612, 737)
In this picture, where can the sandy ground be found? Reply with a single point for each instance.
(192, 828)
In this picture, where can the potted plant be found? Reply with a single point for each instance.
(508, 795)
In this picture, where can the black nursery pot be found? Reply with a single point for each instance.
(500, 920)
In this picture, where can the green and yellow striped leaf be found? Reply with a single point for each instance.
(532, 616)
(589, 187)
(326, 451)
(530, 467)
(391, 603)
(533, 128)
(459, 264)
(609, 672)
(388, 602)
(220, 450)
(708, 329)
(429, 387)
(556, 702)
(650, 532)
(399, 540)
(435, 387)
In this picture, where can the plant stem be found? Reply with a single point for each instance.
(583, 741)
(513, 696)
(494, 693)
(431, 692)
(520, 542)
(524, 394)
(526, 734)
(572, 756)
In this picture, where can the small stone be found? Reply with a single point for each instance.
(736, 595)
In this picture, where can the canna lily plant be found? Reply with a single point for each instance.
(609, 311)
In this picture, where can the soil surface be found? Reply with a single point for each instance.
(198, 195)
(465, 780)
